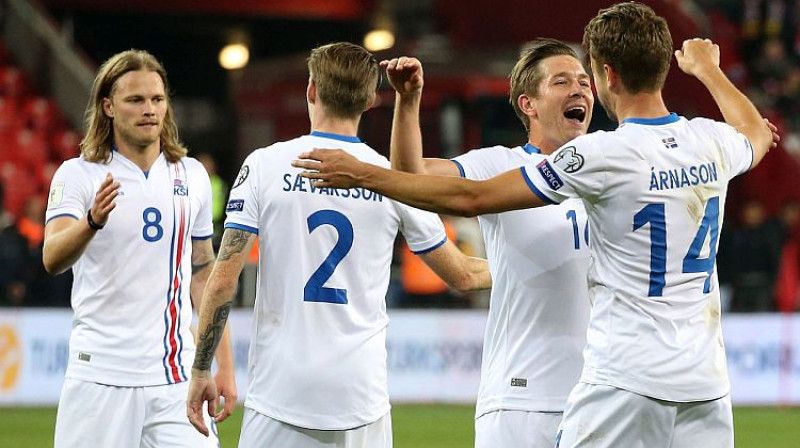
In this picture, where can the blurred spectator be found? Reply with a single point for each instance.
(749, 260)
(31, 222)
(772, 68)
(219, 196)
(787, 288)
(13, 259)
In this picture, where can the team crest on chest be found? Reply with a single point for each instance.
(569, 160)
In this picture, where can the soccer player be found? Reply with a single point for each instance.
(132, 218)
(654, 367)
(539, 307)
(318, 354)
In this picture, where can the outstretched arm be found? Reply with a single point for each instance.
(214, 312)
(700, 58)
(441, 194)
(405, 75)
(457, 269)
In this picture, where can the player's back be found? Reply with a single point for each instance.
(655, 214)
(318, 357)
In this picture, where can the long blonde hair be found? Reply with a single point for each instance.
(96, 145)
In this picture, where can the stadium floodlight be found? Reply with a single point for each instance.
(379, 39)
(234, 56)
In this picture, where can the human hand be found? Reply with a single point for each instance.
(405, 74)
(104, 200)
(201, 389)
(226, 386)
(775, 136)
(331, 168)
(698, 56)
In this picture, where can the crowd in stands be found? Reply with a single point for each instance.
(759, 254)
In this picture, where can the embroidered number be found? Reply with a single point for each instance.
(152, 230)
(315, 291)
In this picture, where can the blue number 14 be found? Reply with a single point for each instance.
(692, 263)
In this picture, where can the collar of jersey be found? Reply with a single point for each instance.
(127, 161)
(344, 138)
(530, 149)
(666, 119)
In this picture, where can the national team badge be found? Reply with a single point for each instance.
(56, 195)
(179, 188)
(569, 160)
(242, 176)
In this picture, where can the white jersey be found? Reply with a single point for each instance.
(131, 285)
(318, 354)
(539, 308)
(655, 191)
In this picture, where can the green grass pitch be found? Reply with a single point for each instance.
(417, 426)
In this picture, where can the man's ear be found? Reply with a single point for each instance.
(108, 108)
(527, 106)
(311, 92)
(614, 81)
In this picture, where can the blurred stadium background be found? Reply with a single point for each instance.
(49, 51)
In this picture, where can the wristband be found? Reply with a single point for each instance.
(93, 225)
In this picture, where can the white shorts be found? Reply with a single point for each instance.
(260, 431)
(517, 429)
(604, 416)
(96, 415)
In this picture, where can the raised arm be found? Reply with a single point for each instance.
(405, 75)
(441, 194)
(216, 306)
(202, 263)
(65, 238)
(457, 269)
(700, 58)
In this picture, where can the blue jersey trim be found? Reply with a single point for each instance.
(434, 247)
(530, 149)
(344, 138)
(460, 167)
(666, 119)
(533, 188)
(201, 238)
(59, 216)
(233, 225)
(752, 154)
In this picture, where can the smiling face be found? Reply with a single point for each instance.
(562, 109)
(137, 106)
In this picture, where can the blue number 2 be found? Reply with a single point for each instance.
(314, 290)
(692, 263)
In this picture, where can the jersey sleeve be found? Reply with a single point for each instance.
(423, 231)
(242, 208)
(476, 164)
(203, 227)
(576, 170)
(70, 192)
(735, 146)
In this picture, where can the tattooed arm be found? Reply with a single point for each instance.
(214, 310)
(225, 379)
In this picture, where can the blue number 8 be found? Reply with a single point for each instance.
(152, 219)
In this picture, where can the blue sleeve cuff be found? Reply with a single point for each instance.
(434, 247)
(460, 168)
(232, 225)
(62, 215)
(534, 189)
(201, 238)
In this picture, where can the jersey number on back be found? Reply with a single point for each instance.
(692, 263)
(573, 216)
(314, 290)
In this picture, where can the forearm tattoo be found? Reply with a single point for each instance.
(209, 339)
(233, 242)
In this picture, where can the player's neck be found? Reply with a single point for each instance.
(340, 126)
(641, 105)
(545, 145)
(143, 157)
